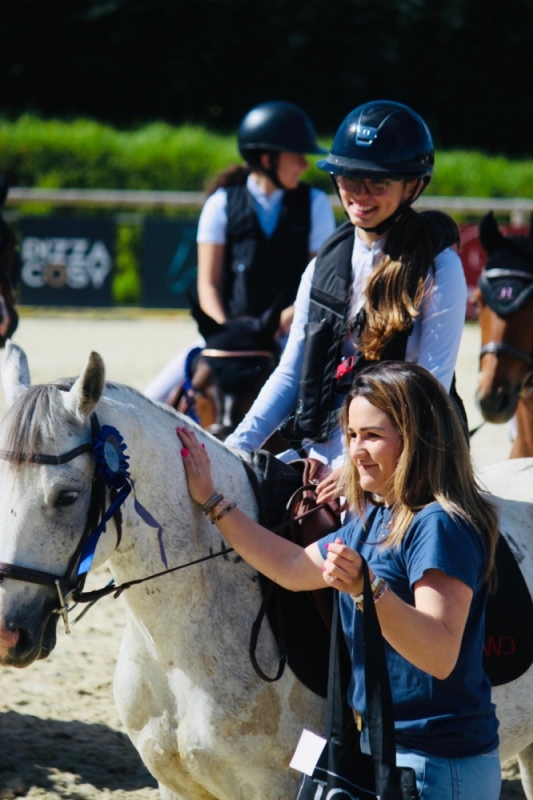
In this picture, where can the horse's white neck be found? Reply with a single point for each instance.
(225, 583)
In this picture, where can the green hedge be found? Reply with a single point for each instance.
(87, 154)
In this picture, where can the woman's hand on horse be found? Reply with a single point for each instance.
(343, 568)
(197, 466)
(330, 488)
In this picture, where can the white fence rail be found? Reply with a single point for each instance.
(517, 209)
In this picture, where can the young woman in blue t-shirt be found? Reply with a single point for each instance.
(429, 538)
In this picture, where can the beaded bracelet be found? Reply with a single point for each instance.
(223, 512)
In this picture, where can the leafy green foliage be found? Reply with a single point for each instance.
(87, 155)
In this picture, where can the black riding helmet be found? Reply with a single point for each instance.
(383, 140)
(272, 128)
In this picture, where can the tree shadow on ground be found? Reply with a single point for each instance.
(32, 749)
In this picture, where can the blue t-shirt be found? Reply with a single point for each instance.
(453, 717)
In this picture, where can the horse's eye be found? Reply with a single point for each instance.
(67, 498)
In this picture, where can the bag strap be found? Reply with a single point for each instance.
(334, 722)
(377, 684)
(380, 716)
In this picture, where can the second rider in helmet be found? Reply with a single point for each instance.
(259, 226)
(387, 285)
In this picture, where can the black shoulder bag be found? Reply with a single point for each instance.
(342, 768)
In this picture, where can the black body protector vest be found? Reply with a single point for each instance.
(258, 270)
(316, 412)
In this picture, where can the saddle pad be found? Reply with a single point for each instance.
(508, 650)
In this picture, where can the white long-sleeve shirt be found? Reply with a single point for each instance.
(433, 343)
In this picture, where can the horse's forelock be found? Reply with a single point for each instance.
(29, 424)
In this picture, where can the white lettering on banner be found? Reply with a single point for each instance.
(333, 794)
(64, 261)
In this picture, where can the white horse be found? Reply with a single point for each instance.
(204, 724)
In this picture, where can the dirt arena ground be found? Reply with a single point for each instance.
(60, 736)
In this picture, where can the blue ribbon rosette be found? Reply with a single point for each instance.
(112, 466)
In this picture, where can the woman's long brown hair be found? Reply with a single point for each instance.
(397, 287)
(434, 464)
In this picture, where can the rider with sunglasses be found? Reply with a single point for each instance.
(387, 285)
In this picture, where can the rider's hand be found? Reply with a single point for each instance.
(330, 488)
(285, 321)
(197, 466)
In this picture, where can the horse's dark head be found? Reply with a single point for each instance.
(504, 298)
(227, 375)
(9, 270)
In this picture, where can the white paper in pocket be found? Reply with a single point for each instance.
(308, 751)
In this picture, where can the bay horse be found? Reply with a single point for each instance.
(9, 269)
(504, 299)
(224, 377)
(205, 725)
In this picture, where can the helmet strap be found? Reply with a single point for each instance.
(272, 171)
(384, 226)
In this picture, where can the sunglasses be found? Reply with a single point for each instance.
(372, 186)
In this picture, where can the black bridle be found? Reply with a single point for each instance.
(70, 585)
(496, 288)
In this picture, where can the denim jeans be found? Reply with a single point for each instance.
(440, 778)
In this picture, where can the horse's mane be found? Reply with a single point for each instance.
(30, 422)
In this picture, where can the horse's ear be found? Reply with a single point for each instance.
(82, 399)
(490, 235)
(268, 322)
(207, 326)
(15, 372)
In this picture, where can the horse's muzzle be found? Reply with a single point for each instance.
(499, 405)
(25, 638)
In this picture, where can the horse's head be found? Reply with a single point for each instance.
(504, 298)
(47, 476)
(9, 270)
(227, 375)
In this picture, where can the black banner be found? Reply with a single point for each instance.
(66, 261)
(169, 262)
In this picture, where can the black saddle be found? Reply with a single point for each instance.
(508, 650)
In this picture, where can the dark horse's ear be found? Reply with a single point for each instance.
(207, 326)
(268, 322)
(490, 235)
